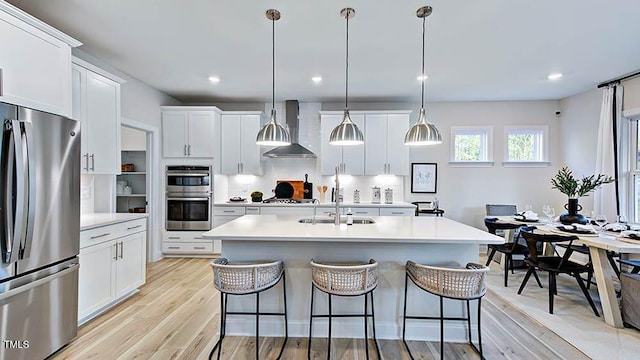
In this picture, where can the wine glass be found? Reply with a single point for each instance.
(528, 207)
(601, 220)
(549, 212)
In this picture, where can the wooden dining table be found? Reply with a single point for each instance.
(604, 274)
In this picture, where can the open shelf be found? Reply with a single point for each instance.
(131, 195)
(136, 179)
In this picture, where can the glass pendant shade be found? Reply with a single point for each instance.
(346, 133)
(423, 133)
(272, 133)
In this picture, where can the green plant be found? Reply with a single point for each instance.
(256, 194)
(574, 188)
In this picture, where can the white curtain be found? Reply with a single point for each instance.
(604, 201)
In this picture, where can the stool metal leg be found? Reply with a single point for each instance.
(310, 322)
(286, 322)
(329, 339)
(480, 327)
(441, 329)
(257, 324)
(404, 316)
(223, 316)
(469, 321)
(373, 320)
(366, 335)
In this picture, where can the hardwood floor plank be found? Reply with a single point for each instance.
(175, 316)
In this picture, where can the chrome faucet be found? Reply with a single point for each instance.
(337, 197)
(314, 202)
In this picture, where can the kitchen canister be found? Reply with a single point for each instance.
(356, 196)
(388, 196)
(375, 195)
(120, 187)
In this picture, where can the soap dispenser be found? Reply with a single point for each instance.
(349, 217)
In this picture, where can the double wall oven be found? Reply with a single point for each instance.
(188, 198)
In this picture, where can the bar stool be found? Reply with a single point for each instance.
(344, 280)
(466, 284)
(245, 279)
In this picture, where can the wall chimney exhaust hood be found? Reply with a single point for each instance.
(294, 150)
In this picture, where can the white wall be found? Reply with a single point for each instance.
(462, 191)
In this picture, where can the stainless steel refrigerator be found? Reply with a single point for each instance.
(39, 232)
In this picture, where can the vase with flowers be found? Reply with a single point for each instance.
(575, 189)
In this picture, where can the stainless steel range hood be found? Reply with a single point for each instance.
(294, 150)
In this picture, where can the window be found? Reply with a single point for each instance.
(526, 145)
(634, 167)
(472, 145)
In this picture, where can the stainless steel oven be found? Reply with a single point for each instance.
(188, 198)
(188, 211)
(191, 179)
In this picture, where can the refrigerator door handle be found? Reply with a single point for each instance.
(21, 193)
(31, 190)
(8, 160)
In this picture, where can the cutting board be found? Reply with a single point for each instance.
(298, 187)
(308, 187)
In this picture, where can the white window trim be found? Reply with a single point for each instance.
(488, 162)
(629, 141)
(545, 147)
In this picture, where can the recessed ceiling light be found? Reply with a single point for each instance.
(554, 76)
(214, 79)
(316, 79)
(422, 77)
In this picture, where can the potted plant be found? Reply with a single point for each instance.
(256, 196)
(575, 189)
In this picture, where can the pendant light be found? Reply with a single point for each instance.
(272, 133)
(423, 132)
(347, 132)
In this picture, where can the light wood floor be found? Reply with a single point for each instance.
(175, 316)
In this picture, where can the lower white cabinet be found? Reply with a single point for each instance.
(112, 265)
(189, 243)
(397, 211)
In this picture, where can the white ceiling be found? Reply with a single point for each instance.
(476, 50)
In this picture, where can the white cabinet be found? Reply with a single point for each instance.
(189, 132)
(394, 211)
(385, 151)
(35, 66)
(112, 265)
(239, 152)
(350, 159)
(189, 243)
(96, 103)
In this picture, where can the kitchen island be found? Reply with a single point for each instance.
(391, 240)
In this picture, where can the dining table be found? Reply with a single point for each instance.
(600, 245)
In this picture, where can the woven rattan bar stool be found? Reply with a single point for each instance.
(345, 280)
(245, 279)
(465, 284)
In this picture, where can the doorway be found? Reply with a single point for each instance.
(140, 145)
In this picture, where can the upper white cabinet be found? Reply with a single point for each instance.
(35, 66)
(239, 152)
(385, 151)
(189, 132)
(96, 103)
(349, 159)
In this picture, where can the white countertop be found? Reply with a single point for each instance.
(405, 229)
(342, 205)
(94, 220)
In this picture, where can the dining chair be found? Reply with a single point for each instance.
(554, 265)
(508, 249)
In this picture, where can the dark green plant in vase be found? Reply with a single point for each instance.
(575, 189)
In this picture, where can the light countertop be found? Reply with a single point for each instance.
(404, 229)
(342, 205)
(94, 220)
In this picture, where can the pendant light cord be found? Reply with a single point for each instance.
(422, 75)
(346, 92)
(273, 63)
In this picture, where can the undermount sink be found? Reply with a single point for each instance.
(343, 220)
